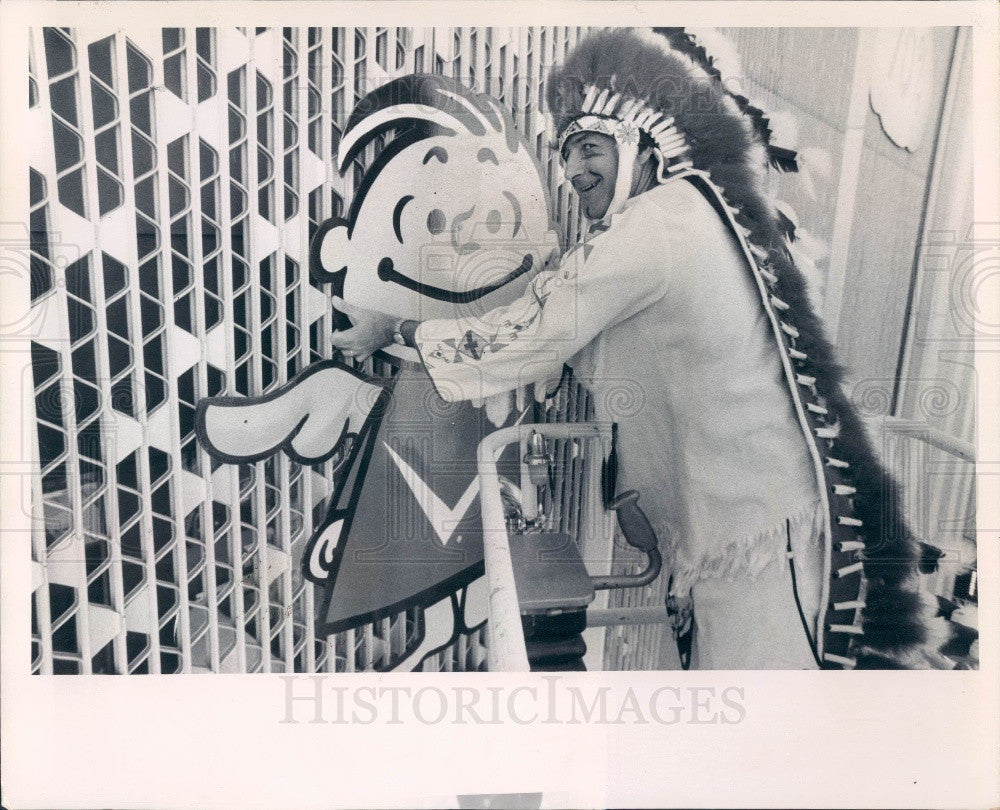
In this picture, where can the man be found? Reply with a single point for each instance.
(777, 522)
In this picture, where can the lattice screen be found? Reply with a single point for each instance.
(176, 179)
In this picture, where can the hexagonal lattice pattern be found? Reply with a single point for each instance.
(183, 174)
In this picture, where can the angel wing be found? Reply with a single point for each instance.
(309, 418)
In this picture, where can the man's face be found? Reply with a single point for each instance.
(591, 165)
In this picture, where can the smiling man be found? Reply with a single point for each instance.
(778, 525)
(590, 162)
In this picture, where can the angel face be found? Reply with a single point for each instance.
(451, 225)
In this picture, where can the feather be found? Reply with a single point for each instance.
(783, 159)
(601, 100)
(929, 556)
(779, 157)
(629, 112)
(787, 226)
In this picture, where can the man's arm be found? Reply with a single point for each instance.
(597, 285)
(370, 330)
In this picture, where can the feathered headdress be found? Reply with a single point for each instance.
(665, 89)
(624, 82)
(686, 43)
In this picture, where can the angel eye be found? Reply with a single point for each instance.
(517, 211)
(436, 221)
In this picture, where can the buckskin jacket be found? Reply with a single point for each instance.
(731, 423)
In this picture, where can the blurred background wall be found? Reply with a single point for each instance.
(891, 224)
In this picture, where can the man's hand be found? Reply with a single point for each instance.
(370, 330)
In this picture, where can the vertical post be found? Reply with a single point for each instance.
(201, 327)
(847, 188)
(235, 529)
(506, 651)
(932, 199)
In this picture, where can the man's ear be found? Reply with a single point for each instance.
(330, 253)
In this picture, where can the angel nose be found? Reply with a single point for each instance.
(458, 241)
(493, 221)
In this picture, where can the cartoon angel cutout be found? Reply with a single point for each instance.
(451, 220)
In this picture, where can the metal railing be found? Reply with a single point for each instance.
(595, 534)
(506, 649)
(921, 456)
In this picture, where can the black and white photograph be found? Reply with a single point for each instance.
(526, 358)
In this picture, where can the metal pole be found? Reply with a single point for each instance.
(506, 650)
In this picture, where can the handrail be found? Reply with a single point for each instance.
(505, 650)
(932, 436)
